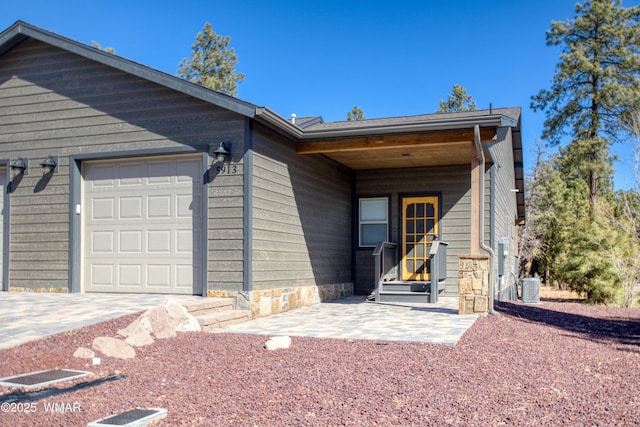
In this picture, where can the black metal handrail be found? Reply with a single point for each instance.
(438, 256)
(385, 264)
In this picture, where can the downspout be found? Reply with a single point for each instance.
(476, 137)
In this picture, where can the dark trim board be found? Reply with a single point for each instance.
(204, 238)
(75, 225)
(247, 232)
(6, 224)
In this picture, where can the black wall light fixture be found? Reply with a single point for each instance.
(220, 154)
(50, 164)
(21, 164)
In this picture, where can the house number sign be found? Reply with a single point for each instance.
(226, 169)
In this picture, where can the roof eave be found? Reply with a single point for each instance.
(274, 120)
(424, 126)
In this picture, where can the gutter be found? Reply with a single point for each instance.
(376, 128)
(492, 255)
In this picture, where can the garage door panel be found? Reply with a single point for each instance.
(184, 241)
(186, 207)
(184, 278)
(184, 168)
(142, 225)
(102, 275)
(159, 241)
(131, 207)
(130, 276)
(160, 172)
(103, 208)
(102, 242)
(102, 176)
(159, 206)
(159, 276)
(130, 242)
(129, 174)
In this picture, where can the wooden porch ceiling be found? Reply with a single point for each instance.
(439, 148)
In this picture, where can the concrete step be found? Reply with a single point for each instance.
(208, 305)
(213, 313)
(220, 319)
(406, 286)
(403, 296)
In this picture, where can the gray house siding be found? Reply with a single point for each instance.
(301, 216)
(451, 183)
(503, 207)
(55, 102)
(225, 217)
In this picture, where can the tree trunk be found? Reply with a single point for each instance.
(593, 187)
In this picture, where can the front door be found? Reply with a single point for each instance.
(419, 229)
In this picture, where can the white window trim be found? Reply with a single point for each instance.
(361, 222)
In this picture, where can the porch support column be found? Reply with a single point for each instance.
(473, 284)
(475, 200)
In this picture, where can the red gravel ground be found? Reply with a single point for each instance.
(551, 364)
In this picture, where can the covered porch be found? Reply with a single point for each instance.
(418, 184)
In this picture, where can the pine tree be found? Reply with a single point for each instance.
(99, 46)
(597, 80)
(212, 63)
(592, 249)
(587, 263)
(458, 100)
(355, 114)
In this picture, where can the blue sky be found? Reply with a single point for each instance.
(322, 58)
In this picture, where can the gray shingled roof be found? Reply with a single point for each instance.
(512, 113)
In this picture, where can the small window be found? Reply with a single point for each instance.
(373, 220)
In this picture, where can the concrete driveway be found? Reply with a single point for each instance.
(27, 316)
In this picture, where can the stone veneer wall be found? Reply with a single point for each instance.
(473, 284)
(40, 290)
(266, 302)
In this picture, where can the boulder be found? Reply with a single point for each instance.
(138, 333)
(278, 342)
(160, 321)
(113, 347)
(182, 320)
(84, 353)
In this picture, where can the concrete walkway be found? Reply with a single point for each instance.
(354, 318)
(26, 316)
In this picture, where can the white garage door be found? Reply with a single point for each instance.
(142, 225)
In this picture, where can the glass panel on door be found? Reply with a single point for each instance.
(419, 229)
